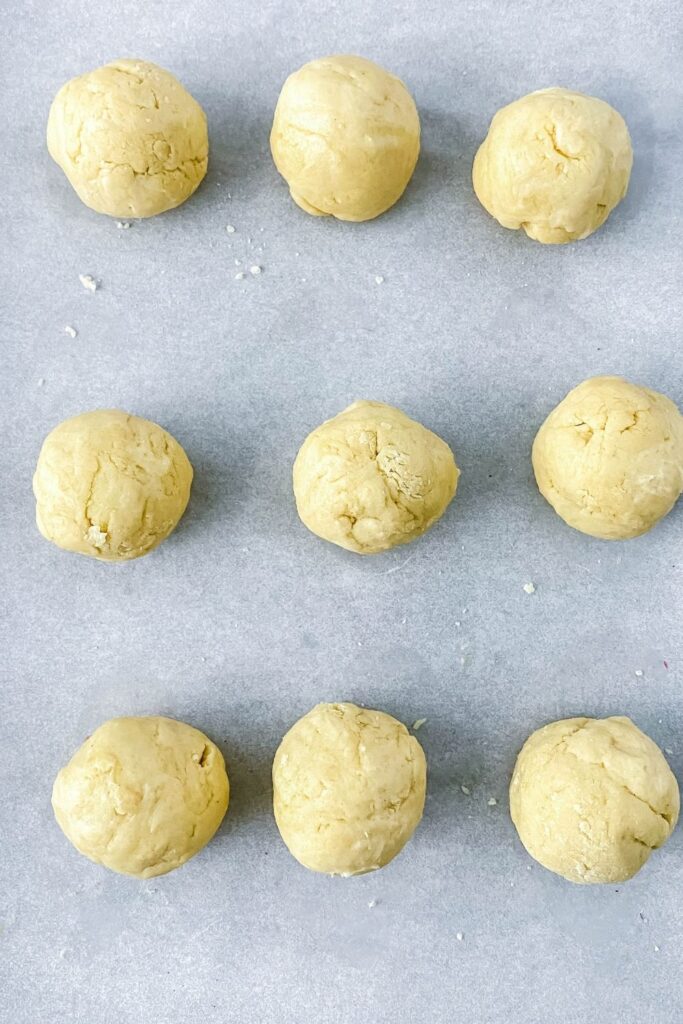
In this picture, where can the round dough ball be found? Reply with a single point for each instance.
(348, 789)
(609, 458)
(592, 798)
(110, 485)
(142, 795)
(555, 163)
(345, 137)
(130, 139)
(372, 478)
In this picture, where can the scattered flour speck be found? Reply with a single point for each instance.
(88, 282)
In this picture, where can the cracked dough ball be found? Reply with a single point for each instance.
(555, 163)
(592, 798)
(142, 795)
(609, 458)
(345, 137)
(110, 485)
(372, 478)
(130, 139)
(348, 789)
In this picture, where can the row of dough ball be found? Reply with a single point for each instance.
(609, 459)
(590, 798)
(346, 138)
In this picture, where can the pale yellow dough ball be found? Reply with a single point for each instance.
(609, 458)
(348, 789)
(110, 485)
(345, 137)
(555, 163)
(372, 478)
(592, 798)
(130, 139)
(142, 795)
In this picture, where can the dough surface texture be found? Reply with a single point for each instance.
(142, 795)
(371, 478)
(130, 139)
(609, 458)
(555, 163)
(348, 789)
(592, 798)
(110, 485)
(345, 137)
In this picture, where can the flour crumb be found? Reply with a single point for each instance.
(466, 790)
(639, 673)
(668, 750)
(379, 279)
(71, 331)
(88, 282)
(656, 949)
(418, 723)
(372, 903)
(239, 276)
(459, 936)
(41, 382)
(97, 537)
(492, 801)
(230, 229)
(123, 225)
(255, 270)
(529, 588)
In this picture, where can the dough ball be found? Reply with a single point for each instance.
(348, 789)
(142, 795)
(372, 478)
(129, 138)
(345, 137)
(555, 163)
(609, 458)
(110, 485)
(592, 798)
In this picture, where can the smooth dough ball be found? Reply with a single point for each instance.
(348, 789)
(345, 137)
(609, 458)
(555, 163)
(592, 798)
(372, 478)
(142, 795)
(110, 485)
(130, 139)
